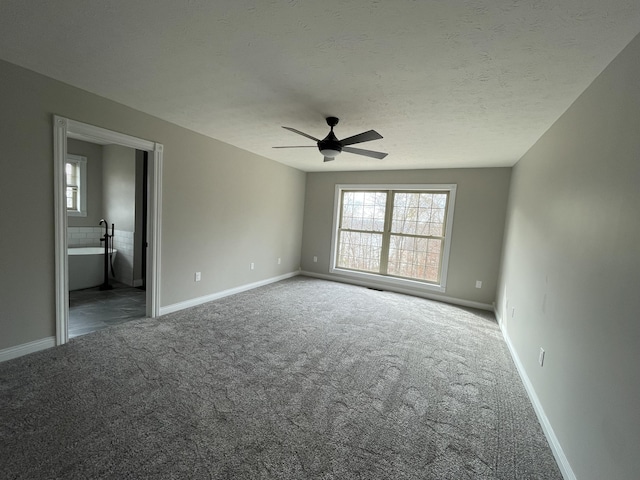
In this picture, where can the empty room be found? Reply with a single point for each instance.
(320, 240)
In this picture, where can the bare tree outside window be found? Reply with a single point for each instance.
(417, 230)
(396, 233)
(362, 226)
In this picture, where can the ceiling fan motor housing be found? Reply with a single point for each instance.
(330, 142)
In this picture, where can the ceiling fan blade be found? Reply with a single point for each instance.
(329, 159)
(361, 137)
(301, 133)
(367, 153)
(299, 146)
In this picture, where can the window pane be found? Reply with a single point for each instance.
(71, 170)
(72, 198)
(419, 213)
(415, 257)
(436, 222)
(359, 251)
(363, 210)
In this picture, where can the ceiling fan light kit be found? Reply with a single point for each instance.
(330, 147)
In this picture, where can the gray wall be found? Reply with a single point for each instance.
(478, 222)
(222, 208)
(119, 186)
(93, 153)
(571, 270)
(119, 206)
(234, 208)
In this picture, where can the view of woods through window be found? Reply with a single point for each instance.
(393, 232)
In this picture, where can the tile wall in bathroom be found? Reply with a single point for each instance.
(84, 236)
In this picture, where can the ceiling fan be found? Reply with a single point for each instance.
(330, 147)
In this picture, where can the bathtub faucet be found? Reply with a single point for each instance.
(106, 225)
(107, 250)
(106, 230)
(106, 236)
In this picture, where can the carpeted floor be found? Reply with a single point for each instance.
(302, 379)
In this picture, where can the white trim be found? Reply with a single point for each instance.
(445, 187)
(554, 443)
(334, 227)
(26, 348)
(64, 128)
(391, 288)
(102, 136)
(225, 293)
(60, 131)
(154, 227)
(451, 188)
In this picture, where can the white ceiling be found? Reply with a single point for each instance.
(447, 83)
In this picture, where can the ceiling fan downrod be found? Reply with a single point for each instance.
(330, 146)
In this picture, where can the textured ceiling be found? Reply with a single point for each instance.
(448, 84)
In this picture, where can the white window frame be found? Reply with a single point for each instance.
(386, 279)
(82, 185)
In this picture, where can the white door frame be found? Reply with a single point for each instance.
(64, 128)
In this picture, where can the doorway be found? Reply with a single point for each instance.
(105, 196)
(65, 129)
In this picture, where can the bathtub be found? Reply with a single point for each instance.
(86, 267)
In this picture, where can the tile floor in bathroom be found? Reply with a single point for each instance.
(94, 309)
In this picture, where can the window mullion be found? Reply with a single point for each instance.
(413, 235)
(386, 233)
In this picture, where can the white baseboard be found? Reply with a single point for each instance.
(554, 443)
(26, 348)
(394, 288)
(225, 293)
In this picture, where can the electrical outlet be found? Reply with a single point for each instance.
(252, 266)
(197, 277)
(541, 357)
(315, 259)
(478, 283)
(279, 260)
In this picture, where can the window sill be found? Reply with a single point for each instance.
(384, 280)
(76, 213)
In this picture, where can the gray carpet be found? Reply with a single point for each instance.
(299, 379)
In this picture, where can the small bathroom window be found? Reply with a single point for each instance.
(76, 185)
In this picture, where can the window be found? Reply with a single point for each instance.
(75, 169)
(401, 232)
